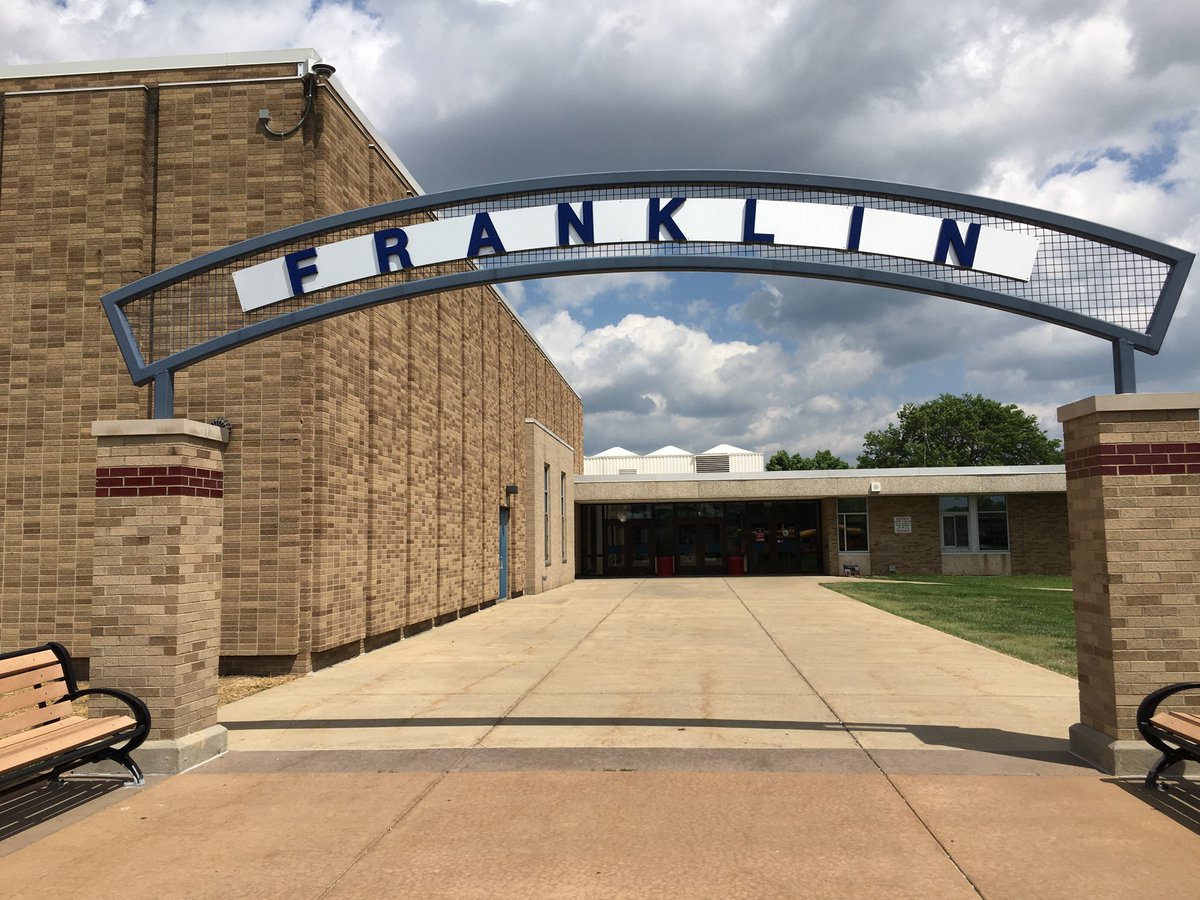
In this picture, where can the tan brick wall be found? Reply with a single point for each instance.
(218, 181)
(389, 522)
(62, 240)
(1039, 542)
(829, 536)
(544, 448)
(512, 469)
(917, 553)
(476, 490)
(1135, 539)
(155, 625)
(450, 457)
(424, 447)
(1037, 528)
(369, 454)
(492, 456)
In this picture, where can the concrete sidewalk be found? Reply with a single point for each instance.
(676, 737)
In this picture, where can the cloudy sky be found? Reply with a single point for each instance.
(1083, 107)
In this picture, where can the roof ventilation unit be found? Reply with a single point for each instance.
(710, 463)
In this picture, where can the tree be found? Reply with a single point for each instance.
(970, 430)
(783, 461)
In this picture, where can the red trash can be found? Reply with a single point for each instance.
(736, 565)
(664, 566)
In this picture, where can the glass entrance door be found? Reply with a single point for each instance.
(777, 537)
(698, 546)
(783, 537)
(628, 539)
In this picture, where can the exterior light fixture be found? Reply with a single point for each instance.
(311, 80)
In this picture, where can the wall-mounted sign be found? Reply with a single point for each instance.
(902, 525)
(657, 219)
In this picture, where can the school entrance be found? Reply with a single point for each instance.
(777, 537)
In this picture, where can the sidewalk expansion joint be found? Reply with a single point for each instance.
(895, 788)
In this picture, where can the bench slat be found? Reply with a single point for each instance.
(40, 675)
(1178, 724)
(33, 717)
(77, 734)
(27, 661)
(47, 693)
(22, 737)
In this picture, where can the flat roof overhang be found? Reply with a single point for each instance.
(721, 487)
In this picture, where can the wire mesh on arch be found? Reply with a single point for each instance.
(1077, 271)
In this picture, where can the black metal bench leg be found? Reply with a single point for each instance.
(127, 761)
(1168, 759)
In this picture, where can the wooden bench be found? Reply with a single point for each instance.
(1175, 734)
(41, 737)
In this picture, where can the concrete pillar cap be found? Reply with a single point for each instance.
(159, 427)
(1128, 403)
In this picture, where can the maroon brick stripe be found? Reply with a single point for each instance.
(159, 481)
(1178, 458)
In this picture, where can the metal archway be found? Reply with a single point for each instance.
(1097, 280)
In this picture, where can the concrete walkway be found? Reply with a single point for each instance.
(677, 737)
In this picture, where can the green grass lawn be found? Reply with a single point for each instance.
(1021, 615)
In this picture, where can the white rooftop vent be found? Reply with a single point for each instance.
(723, 448)
(670, 450)
(614, 451)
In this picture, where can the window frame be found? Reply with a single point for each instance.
(842, 524)
(971, 517)
(546, 508)
(562, 511)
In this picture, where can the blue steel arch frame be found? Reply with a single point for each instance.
(1124, 340)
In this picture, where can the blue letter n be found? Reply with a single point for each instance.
(583, 225)
(949, 236)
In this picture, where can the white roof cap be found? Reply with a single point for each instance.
(670, 450)
(614, 451)
(724, 448)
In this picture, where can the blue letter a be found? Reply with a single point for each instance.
(483, 234)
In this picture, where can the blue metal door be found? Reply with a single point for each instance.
(504, 553)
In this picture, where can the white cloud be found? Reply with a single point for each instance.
(1085, 108)
(648, 381)
(581, 290)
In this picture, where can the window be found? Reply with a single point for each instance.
(562, 511)
(993, 522)
(546, 508)
(974, 524)
(852, 524)
(956, 511)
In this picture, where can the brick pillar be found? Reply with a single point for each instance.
(156, 575)
(1133, 508)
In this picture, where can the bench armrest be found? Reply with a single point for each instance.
(141, 713)
(1149, 706)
